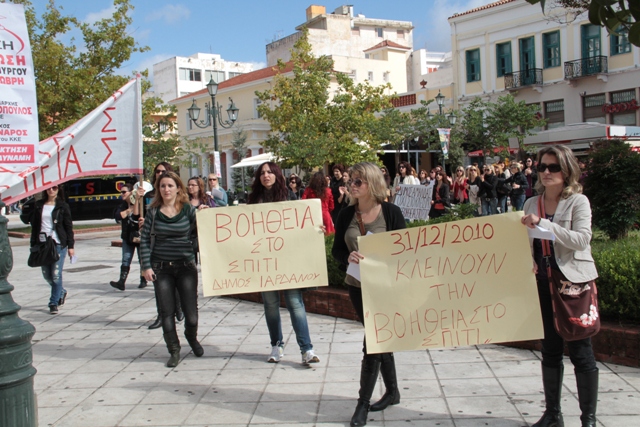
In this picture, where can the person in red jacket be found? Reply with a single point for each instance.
(318, 189)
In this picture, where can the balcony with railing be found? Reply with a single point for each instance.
(518, 79)
(585, 67)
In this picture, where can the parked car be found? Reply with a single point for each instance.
(91, 198)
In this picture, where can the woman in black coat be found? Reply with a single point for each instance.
(519, 185)
(51, 216)
(367, 212)
(440, 198)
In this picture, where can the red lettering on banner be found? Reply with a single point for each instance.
(75, 161)
(104, 128)
(104, 163)
(42, 175)
(117, 94)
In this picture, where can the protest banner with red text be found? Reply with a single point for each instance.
(107, 141)
(262, 247)
(447, 285)
(18, 105)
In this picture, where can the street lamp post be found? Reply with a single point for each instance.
(214, 116)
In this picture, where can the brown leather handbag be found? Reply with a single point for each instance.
(575, 305)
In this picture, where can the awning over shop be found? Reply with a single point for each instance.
(254, 160)
(496, 150)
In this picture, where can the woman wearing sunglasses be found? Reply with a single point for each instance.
(52, 216)
(295, 188)
(367, 212)
(404, 176)
(268, 187)
(568, 215)
(197, 197)
(460, 185)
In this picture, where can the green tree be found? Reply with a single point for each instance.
(615, 15)
(612, 184)
(393, 128)
(241, 176)
(74, 77)
(308, 128)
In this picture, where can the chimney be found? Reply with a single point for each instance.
(315, 10)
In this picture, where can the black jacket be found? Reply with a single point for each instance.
(61, 215)
(392, 217)
(444, 194)
(128, 223)
(488, 187)
(519, 179)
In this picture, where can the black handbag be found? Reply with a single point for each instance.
(44, 253)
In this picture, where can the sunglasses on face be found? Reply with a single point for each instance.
(402, 167)
(213, 179)
(553, 167)
(124, 191)
(54, 188)
(160, 171)
(356, 182)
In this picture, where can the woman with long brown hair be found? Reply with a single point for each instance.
(197, 196)
(169, 261)
(269, 186)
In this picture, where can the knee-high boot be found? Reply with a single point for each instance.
(124, 272)
(587, 383)
(158, 322)
(392, 394)
(552, 382)
(191, 334)
(173, 345)
(368, 378)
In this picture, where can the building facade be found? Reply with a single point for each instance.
(581, 78)
(179, 76)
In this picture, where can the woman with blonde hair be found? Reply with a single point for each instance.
(168, 259)
(473, 186)
(567, 213)
(367, 212)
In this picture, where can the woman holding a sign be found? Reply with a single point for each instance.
(562, 209)
(367, 213)
(168, 259)
(269, 186)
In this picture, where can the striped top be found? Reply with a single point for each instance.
(173, 242)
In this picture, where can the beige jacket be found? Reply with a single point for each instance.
(572, 228)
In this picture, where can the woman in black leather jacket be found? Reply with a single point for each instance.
(52, 216)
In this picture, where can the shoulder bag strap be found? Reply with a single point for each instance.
(546, 245)
(360, 222)
(152, 233)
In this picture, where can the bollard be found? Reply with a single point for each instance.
(18, 406)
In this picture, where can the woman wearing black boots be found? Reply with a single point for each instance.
(367, 212)
(567, 214)
(168, 260)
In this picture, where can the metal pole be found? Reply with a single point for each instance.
(214, 118)
(18, 399)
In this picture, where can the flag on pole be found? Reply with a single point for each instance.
(107, 141)
(445, 138)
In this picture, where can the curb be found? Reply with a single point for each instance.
(79, 231)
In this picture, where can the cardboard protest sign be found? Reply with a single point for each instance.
(447, 285)
(414, 201)
(263, 247)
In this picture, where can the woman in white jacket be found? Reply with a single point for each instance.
(568, 215)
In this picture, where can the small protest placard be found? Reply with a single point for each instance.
(262, 247)
(414, 201)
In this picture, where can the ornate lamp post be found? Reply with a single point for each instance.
(18, 406)
(440, 101)
(214, 115)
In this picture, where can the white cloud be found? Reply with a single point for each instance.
(437, 37)
(96, 16)
(258, 65)
(170, 14)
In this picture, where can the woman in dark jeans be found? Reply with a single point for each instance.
(52, 216)
(518, 184)
(440, 198)
(170, 263)
(367, 207)
(567, 213)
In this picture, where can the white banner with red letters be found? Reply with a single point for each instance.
(107, 141)
(18, 105)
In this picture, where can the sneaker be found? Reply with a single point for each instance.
(63, 298)
(53, 309)
(276, 354)
(309, 357)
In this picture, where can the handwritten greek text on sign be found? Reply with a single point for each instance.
(414, 201)
(454, 284)
(264, 247)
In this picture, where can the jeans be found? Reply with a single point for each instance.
(183, 278)
(53, 275)
(489, 206)
(295, 305)
(580, 352)
(127, 253)
(502, 203)
(517, 201)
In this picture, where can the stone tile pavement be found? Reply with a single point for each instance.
(98, 365)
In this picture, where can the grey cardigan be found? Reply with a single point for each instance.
(572, 228)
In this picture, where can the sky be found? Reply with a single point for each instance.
(239, 30)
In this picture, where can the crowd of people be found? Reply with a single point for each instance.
(355, 201)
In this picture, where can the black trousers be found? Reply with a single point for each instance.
(183, 278)
(580, 352)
